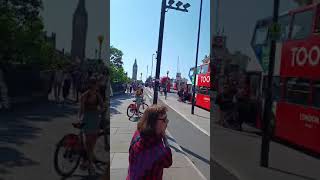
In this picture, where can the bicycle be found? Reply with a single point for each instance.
(133, 110)
(74, 152)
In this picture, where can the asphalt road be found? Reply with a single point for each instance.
(220, 173)
(196, 144)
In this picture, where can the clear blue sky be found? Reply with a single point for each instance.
(135, 30)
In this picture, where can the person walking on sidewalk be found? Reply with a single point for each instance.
(226, 106)
(58, 81)
(66, 86)
(242, 104)
(165, 89)
(149, 152)
(130, 86)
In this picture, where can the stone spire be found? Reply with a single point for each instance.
(135, 70)
(79, 31)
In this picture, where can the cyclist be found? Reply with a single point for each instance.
(139, 98)
(90, 109)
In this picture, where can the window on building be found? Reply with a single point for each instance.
(298, 91)
(302, 24)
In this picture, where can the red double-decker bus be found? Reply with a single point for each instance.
(202, 85)
(296, 107)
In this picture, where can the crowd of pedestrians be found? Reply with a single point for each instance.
(234, 104)
(75, 82)
(184, 94)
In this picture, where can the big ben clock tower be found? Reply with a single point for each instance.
(79, 32)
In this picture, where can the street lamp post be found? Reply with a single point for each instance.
(152, 65)
(265, 145)
(164, 6)
(100, 40)
(195, 67)
(147, 72)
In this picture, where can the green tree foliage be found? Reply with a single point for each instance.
(116, 57)
(22, 35)
(116, 66)
(118, 75)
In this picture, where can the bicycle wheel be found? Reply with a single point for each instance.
(68, 149)
(101, 156)
(142, 108)
(130, 111)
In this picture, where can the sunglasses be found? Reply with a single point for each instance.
(166, 120)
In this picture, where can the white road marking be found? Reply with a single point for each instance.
(180, 149)
(194, 124)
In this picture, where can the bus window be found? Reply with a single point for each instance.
(284, 22)
(302, 25)
(316, 95)
(203, 90)
(317, 25)
(204, 69)
(298, 91)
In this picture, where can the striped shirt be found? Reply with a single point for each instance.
(147, 158)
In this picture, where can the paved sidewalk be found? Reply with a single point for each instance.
(121, 133)
(28, 138)
(239, 153)
(200, 119)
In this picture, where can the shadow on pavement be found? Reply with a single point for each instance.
(11, 158)
(187, 151)
(84, 177)
(114, 111)
(202, 116)
(19, 126)
(219, 172)
(178, 150)
(290, 173)
(252, 134)
(116, 101)
(195, 155)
